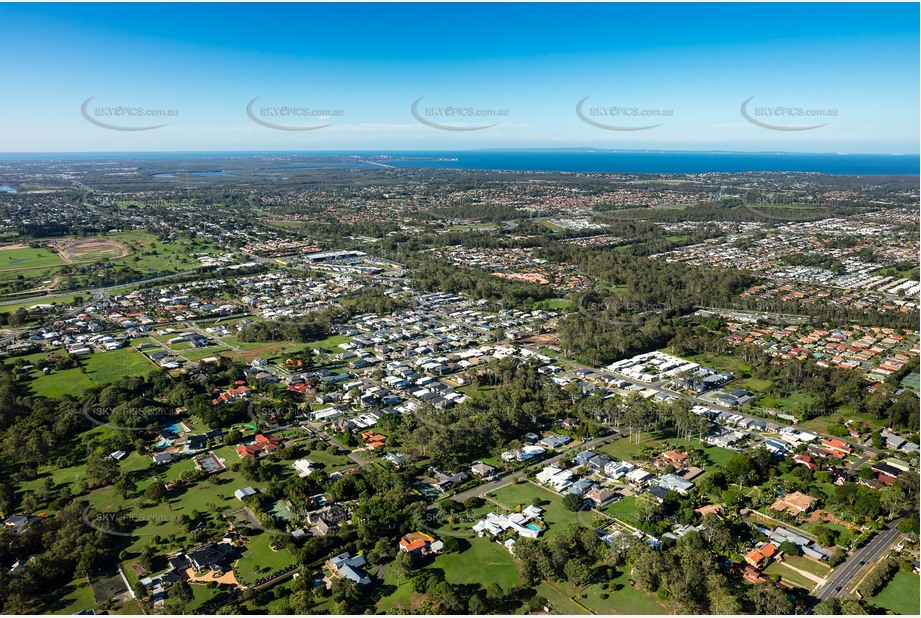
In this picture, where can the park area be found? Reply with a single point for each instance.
(901, 595)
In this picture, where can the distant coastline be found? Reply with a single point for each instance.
(574, 160)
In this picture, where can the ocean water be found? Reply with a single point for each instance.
(588, 161)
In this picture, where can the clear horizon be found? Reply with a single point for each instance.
(748, 78)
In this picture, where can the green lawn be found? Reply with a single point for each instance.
(559, 602)
(259, 559)
(331, 343)
(100, 368)
(494, 564)
(623, 450)
(202, 594)
(845, 535)
(623, 510)
(790, 576)
(74, 597)
(623, 599)
(900, 595)
(808, 565)
(727, 363)
(484, 562)
(556, 517)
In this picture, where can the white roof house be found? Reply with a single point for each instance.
(304, 467)
(638, 476)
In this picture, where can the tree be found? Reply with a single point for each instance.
(573, 502)
(101, 469)
(402, 565)
(909, 526)
(825, 535)
(180, 594)
(451, 544)
(790, 548)
(477, 605)
(578, 572)
(155, 492)
(125, 485)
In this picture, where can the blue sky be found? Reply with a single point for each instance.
(696, 63)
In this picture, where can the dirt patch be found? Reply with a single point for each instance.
(74, 250)
(17, 245)
(226, 577)
(545, 339)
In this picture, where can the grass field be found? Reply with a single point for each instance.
(722, 362)
(60, 301)
(483, 562)
(146, 254)
(99, 368)
(624, 599)
(11, 259)
(493, 563)
(900, 595)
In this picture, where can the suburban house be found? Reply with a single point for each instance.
(232, 395)
(675, 458)
(445, 481)
(304, 467)
(260, 444)
(420, 544)
(761, 556)
(482, 470)
(349, 567)
(805, 460)
(601, 495)
(18, 523)
(523, 523)
(210, 557)
(555, 441)
(839, 446)
(674, 483)
(638, 476)
(794, 503)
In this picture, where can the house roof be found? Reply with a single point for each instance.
(415, 541)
